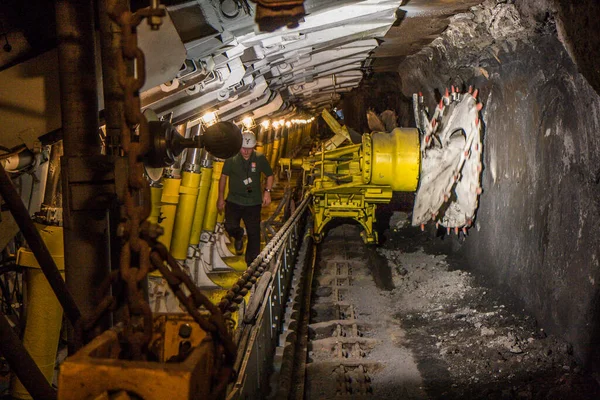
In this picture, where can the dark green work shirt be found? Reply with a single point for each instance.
(244, 178)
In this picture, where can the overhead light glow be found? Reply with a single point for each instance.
(265, 124)
(248, 122)
(210, 118)
(288, 124)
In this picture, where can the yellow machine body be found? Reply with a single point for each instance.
(44, 312)
(395, 159)
(349, 181)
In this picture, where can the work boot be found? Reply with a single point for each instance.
(239, 245)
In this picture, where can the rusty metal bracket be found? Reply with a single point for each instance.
(273, 14)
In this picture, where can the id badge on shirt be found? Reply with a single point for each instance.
(253, 167)
(247, 181)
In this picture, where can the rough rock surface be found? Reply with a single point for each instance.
(536, 227)
(471, 341)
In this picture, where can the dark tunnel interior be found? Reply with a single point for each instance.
(506, 309)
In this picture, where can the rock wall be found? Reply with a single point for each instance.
(536, 230)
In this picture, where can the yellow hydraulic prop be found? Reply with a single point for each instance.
(289, 141)
(210, 216)
(260, 139)
(44, 313)
(168, 209)
(203, 191)
(269, 143)
(273, 153)
(295, 140)
(188, 196)
(155, 196)
(283, 140)
(349, 182)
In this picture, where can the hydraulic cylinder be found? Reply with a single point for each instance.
(188, 196)
(210, 216)
(283, 141)
(275, 150)
(203, 191)
(260, 140)
(269, 143)
(168, 209)
(155, 196)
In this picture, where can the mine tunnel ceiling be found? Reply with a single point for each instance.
(210, 56)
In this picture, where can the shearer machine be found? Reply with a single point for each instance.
(440, 160)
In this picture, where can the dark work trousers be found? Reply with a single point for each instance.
(251, 216)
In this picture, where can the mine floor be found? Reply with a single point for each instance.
(403, 321)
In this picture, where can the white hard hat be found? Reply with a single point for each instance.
(248, 140)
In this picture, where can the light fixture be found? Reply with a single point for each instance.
(288, 124)
(265, 124)
(210, 118)
(248, 122)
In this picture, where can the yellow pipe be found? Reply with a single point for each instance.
(210, 216)
(155, 195)
(204, 189)
(44, 313)
(188, 196)
(169, 200)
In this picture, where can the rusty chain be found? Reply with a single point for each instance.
(135, 253)
(141, 252)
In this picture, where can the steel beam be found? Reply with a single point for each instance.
(86, 174)
(22, 364)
